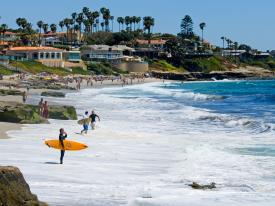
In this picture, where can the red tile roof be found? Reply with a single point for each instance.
(153, 41)
(34, 48)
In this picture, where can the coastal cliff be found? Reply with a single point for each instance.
(14, 190)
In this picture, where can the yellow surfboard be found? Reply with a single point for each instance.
(68, 145)
(82, 121)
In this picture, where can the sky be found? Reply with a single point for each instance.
(246, 21)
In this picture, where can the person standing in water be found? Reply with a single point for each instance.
(24, 96)
(85, 123)
(62, 137)
(93, 117)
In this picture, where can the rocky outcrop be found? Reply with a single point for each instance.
(62, 112)
(14, 190)
(218, 75)
(20, 113)
(197, 186)
(52, 94)
(29, 114)
(4, 92)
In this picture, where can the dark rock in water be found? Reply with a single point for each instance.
(218, 75)
(197, 186)
(29, 114)
(4, 92)
(14, 191)
(53, 94)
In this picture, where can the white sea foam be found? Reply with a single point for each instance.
(144, 152)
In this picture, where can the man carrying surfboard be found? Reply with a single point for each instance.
(93, 117)
(86, 121)
(62, 137)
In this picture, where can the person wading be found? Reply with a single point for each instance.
(93, 117)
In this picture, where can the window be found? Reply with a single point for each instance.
(58, 55)
(41, 56)
(52, 55)
(47, 55)
(35, 55)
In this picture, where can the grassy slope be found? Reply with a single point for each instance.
(36, 67)
(162, 65)
(5, 71)
(208, 64)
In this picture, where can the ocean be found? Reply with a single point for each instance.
(153, 140)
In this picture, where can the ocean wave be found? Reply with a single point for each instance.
(255, 126)
(181, 94)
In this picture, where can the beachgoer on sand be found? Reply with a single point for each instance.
(85, 123)
(40, 105)
(93, 117)
(62, 137)
(24, 96)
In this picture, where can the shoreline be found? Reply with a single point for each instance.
(7, 126)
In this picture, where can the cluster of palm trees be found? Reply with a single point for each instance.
(86, 21)
(130, 22)
(230, 44)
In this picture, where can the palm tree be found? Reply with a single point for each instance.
(138, 20)
(45, 28)
(96, 15)
(18, 21)
(127, 22)
(202, 26)
(112, 19)
(97, 24)
(67, 23)
(39, 25)
(86, 11)
(106, 17)
(148, 22)
(74, 16)
(53, 28)
(102, 26)
(3, 30)
(134, 20)
(22, 23)
(61, 25)
(87, 25)
(120, 21)
(79, 20)
(223, 39)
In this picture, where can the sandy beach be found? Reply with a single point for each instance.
(18, 98)
(4, 127)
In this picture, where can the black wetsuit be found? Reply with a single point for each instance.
(61, 138)
(93, 117)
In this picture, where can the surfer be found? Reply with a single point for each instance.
(85, 122)
(93, 117)
(62, 137)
